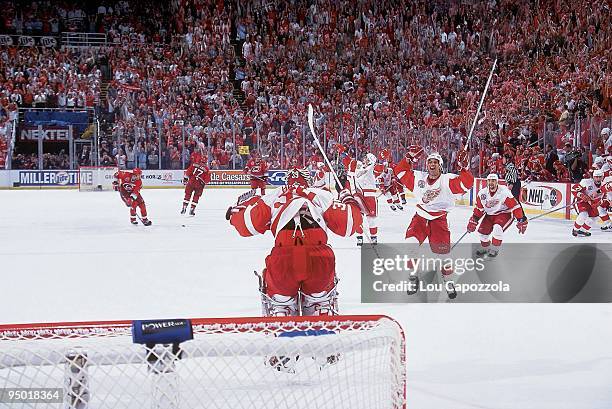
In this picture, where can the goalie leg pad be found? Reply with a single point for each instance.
(279, 305)
(321, 303)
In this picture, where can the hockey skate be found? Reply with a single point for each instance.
(192, 211)
(492, 253)
(146, 222)
(283, 363)
(133, 220)
(581, 233)
(607, 227)
(400, 207)
(359, 241)
(393, 207)
(481, 252)
(449, 285)
(184, 209)
(413, 284)
(374, 240)
(324, 362)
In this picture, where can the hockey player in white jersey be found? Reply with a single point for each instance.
(365, 194)
(589, 195)
(499, 207)
(435, 193)
(322, 177)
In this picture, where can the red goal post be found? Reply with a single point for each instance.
(225, 365)
(96, 178)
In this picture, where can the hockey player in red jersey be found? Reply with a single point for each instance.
(589, 194)
(256, 168)
(196, 177)
(435, 193)
(300, 276)
(499, 207)
(128, 183)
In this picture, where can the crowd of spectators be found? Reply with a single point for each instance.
(380, 74)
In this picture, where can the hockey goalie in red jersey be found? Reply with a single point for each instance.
(128, 183)
(499, 208)
(196, 177)
(299, 277)
(257, 168)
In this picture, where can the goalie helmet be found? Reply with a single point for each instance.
(298, 177)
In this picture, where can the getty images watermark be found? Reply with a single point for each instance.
(521, 272)
(405, 265)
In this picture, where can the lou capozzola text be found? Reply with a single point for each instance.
(413, 265)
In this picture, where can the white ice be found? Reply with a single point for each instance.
(70, 256)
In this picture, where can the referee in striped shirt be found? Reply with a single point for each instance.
(512, 177)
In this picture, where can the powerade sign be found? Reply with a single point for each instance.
(48, 177)
(277, 177)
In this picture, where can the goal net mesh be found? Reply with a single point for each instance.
(96, 178)
(336, 362)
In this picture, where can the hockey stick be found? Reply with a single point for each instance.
(552, 211)
(469, 138)
(314, 135)
(458, 241)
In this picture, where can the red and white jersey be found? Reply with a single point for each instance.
(274, 211)
(434, 197)
(322, 179)
(351, 166)
(499, 202)
(384, 176)
(256, 169)
(587, 191)
(366, 180)
(198, 173)
(128, 181)
(606, 188)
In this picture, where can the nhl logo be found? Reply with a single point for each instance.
(554, 200)
(421, 184)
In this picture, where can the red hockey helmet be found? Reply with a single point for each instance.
(384, 154)
(298, 177)
(137, 171)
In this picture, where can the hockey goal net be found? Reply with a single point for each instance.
(338, 362)
(96, 178)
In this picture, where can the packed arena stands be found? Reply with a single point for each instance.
(217, 75)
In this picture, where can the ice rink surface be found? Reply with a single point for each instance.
(70, 256)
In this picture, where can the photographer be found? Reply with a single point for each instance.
(575, 164)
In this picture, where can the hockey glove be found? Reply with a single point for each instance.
(521, 225)
(115, 186)
(472, 224)
(413, 153)
(232, 210)
(134, 196)
(185, 180)
(346, 197)
(463, 160)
